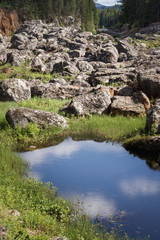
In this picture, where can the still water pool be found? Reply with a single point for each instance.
(109, 180)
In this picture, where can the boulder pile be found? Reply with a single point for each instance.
(101, 74)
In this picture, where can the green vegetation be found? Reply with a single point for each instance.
(31, 210)
(24, 72)
(151, 43)
(97, 127)
(109, 17)
(140, 12)
(51, 9)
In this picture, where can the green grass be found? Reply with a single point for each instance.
(46, 104)
(107, 127)
(149, 43)
(25, 72)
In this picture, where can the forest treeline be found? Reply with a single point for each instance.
(109, 17)
(140, 12)
(49, 9)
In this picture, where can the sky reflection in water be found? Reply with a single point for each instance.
(110, 179)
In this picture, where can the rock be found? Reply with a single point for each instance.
(108, 54)
(84, 66)
(80, 83)
(71, 69)
(140, 36)
(122, 57)
(96, 65)
(125, 91)
(17, 57)
(51, 45)
(143, 45)
(22, 116)
(149, 83)
(59, 238)
(14, 212)
(82, 77)
(152, 28)
(125, 47)
(3, 232)
(153, 118)
(34, 82)
(156, 52)
(141, 97)
(3, 39)
(109, 76)
(123, 105)
(14, 90)
(60, 81)
(37, 65)
(94, 102)
(59, 66)
(23, 42)
(55, 91)
(76, 53)
(74, 45)
(3, 55)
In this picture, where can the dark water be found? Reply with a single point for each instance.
(109, 180)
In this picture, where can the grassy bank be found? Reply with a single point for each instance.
(31, 210)
(96, 127)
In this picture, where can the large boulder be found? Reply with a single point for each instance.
(153, 118)
(149, 83)
(70, 69)
(125, 91)
(96, 101)
(84, 66)
(23, 42)
(22, 116)
(124, 47)
(14, 90)
(37, 65)
(110, 75)
(17, 58)
(108, 54)
(105, 54)
(126, 105)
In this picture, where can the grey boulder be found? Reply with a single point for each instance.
(149, 83)
(125, 105)
(14, 90)
(96, 101)
(22, 116)
(153, 118)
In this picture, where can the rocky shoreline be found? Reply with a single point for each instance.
(100, 73)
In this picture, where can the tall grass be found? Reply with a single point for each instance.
(108, 127)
